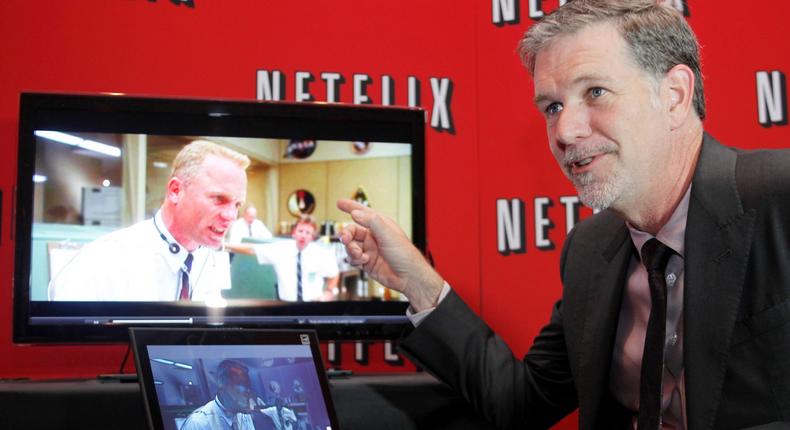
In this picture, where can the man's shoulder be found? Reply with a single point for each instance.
(286, 246)
(753, 167)
(277, 250)
(763, 177)
(319, 250)
(197, 418)
(598, 227)
(600, 234)
(208, 411)
(131, 236)
(766, 164)
(729, 181)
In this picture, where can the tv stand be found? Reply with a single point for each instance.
(117, 377)
(335, 373)
(404, 401)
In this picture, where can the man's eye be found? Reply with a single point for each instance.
(553, 109)
(597, 92)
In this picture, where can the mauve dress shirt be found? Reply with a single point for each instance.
(634, 313)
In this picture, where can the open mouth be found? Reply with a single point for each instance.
(581, 165)
(584, 162)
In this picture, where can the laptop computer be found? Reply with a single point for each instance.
(239, 379)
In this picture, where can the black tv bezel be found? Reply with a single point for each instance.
(109, 113)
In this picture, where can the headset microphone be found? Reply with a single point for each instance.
(172, 246)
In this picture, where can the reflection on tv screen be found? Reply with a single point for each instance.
(132, 217)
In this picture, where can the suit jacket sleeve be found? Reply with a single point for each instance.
(461, 350)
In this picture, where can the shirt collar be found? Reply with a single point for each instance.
(174, 261)
(672, 234)
(227, 415)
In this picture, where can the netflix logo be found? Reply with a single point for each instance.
(546, 214)
(365, 89)
(771, 98)
(508, 12)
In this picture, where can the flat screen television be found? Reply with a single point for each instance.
(90, 165)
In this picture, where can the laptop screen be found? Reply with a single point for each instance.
(196, 379)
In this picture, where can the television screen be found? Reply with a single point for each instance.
(139, 211)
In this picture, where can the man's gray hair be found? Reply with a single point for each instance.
(659, 36)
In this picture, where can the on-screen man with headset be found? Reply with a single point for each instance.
(174, 255)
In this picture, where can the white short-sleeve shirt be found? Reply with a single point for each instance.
(318, 263)
(240, 229)
(135, 264)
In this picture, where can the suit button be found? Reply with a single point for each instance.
(673, 339)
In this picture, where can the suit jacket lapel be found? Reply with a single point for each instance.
(718, 238)
(601, 314)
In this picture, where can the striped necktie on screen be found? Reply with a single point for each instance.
(184, 292)
(299, 276)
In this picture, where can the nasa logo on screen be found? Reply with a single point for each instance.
(360, 148)
(300, 149)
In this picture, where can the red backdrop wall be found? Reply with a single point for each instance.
(487, 141)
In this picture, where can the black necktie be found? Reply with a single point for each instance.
(249, 229)
(299, 276)
(184, 293)
(655, 256)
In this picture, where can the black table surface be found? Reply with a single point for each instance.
(391, 401)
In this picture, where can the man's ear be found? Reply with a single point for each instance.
(679, 87)
(175, 187)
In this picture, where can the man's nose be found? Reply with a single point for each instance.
(229, 213)
(572, 126)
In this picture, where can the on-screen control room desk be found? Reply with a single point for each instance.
(398, 402)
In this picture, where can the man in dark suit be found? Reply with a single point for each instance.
(620, 87)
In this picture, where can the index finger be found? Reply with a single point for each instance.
(360, 213)
(348, 205)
